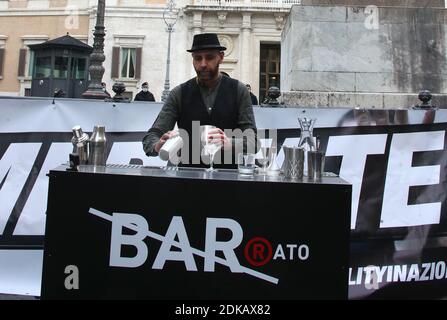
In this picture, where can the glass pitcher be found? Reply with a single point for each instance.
(307, 141)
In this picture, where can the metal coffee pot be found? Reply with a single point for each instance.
(80, 143)
(315, 162)
(293, 164)
(98, 146)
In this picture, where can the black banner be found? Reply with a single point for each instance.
(133, 234)
(397, 244)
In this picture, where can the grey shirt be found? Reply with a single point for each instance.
(170, 113)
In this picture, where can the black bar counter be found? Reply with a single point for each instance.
(134, 232)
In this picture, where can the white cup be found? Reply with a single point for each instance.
(170, 148)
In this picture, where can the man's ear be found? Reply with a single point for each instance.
(221, 56)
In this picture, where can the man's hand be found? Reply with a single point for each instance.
(163, 140)
(217, 135)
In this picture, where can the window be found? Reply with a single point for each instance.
(2, 53)
(60, 67)
(27, 56)
(31, 63)
(43, 67)
(128, 59)
(270, 67)
(78, 68)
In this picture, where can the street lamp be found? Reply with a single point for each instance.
(97, 57)
(170, 15)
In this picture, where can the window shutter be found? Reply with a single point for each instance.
(22, 62)
(115, 62)
(2, 56)
(138, 63)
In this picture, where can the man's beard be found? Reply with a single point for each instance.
(207, 75)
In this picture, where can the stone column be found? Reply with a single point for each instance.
(196, 29)
(197, 22)
(245, 60)
(97, 57)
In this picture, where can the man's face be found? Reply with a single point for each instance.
(206, 63)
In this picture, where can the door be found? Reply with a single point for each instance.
(270, 66)
(40, 85)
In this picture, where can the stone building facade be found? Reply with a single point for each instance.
(136, 38)
(25, 22)
(259, 51)
(368, 54)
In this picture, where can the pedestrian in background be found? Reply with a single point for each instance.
(254, 100)
(144, 94)
(104, 88)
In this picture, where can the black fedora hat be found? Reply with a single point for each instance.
(206, 41)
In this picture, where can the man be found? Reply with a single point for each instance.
(104, 88)
(210, 98)
(254, 100)
(144, 94)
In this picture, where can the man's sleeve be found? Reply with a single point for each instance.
(165, 121)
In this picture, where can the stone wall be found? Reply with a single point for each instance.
(335, 55)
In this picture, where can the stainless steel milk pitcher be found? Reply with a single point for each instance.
(293, 164)
(80, 143)
(98, 146)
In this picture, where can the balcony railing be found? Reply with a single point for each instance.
(247, 3)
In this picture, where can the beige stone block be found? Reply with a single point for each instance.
(58, 3)
(305, 99)
(13, 4)
(369, 100)
(323, 81)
